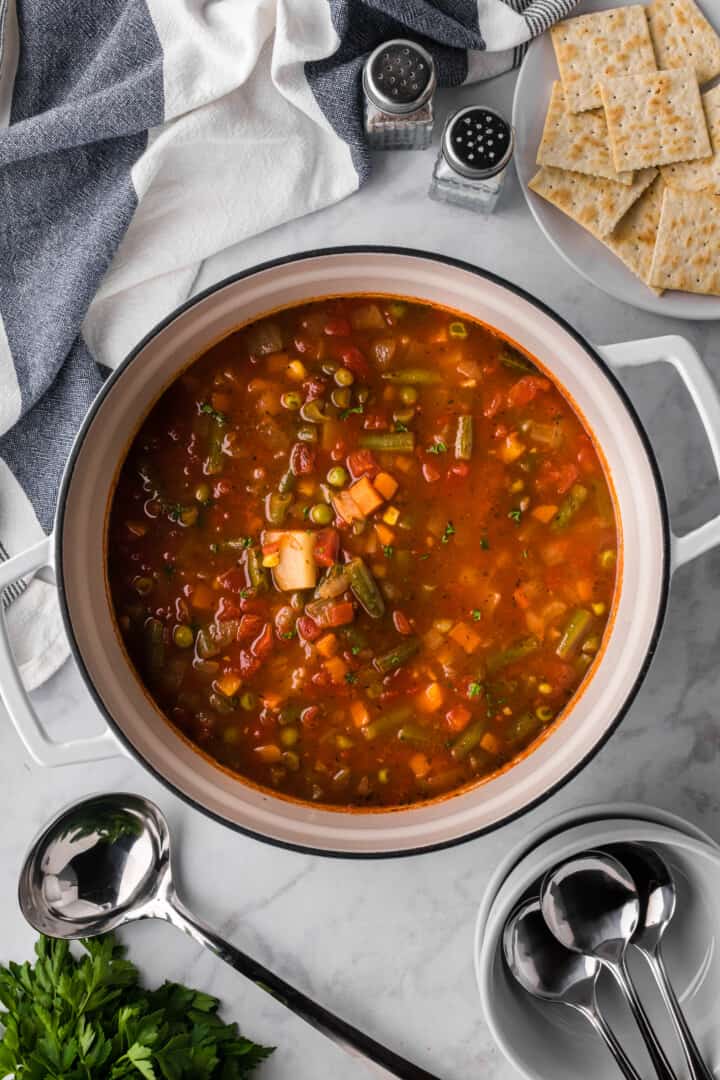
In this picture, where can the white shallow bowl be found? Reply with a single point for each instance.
(583, 252)
(547, 1042)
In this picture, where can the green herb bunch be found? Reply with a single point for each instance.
(88, 1018)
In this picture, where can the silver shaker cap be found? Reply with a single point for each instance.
(477, 142)
(399, 77)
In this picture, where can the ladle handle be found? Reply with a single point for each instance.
(623, 1062)
(341, 1033)
(655, 1050)
(699, 1070)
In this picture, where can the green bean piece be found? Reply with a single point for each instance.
(574, 634)
(464, 438)
(511, 358)
(570, 505)
(259, 577)
(468, 739)
(215, 458)
(313, 413)
(518, 651)
(415, 734)
(395, 658)
(365, 588)
(521, 729)
(205, 646)
(387, 721)
(154, 646)
(277, 506)
(286, 483)
(402, 442)
(413, 376)
(335, 582)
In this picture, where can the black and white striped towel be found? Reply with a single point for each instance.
(138, 137)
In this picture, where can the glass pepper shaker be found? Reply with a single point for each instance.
(398, 83)
(475, 151)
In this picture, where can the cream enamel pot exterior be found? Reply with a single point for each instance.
(75, 553)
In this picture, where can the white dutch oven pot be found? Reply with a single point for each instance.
(76, 550)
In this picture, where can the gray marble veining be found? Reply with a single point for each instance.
(388, 944)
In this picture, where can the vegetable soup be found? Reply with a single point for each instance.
(362, 552)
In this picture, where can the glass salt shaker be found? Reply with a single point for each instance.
(399, 82)
(475, 151)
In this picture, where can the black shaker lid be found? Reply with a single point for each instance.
(477, 142)
(399, 76)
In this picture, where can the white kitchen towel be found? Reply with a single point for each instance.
(138, 137)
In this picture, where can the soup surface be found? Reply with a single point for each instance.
(362, 552)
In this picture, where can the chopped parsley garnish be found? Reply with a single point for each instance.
(218, 417)
(244, 542)
(515, 515)
(438, 447)
(477, 614)
(484, 543)
(355, 650)
(174, 511)
(169, 569)
(399, 426)
(306, 511)
(475, 689)
(349, 412)
(244, 593)
(388, 551)
(288, 634)
(449, 531)
(426, 555)
(350, 677)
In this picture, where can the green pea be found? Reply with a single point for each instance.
(408, 395)
(341, 397)
(143, 585)
(183, 637)
(291, 399)
(344, 377)
(248, 700)
(338, 476)
(203, 492)
(289, 736)
(321, 514)
(189, 515)
(230, 735)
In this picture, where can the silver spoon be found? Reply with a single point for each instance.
(658, 897)
(547, 970)
(591, 905)
(105, 862)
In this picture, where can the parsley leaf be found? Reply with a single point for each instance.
(438, 447)
(355, 650)
(218, 417)
(349, 412)
(449, 531)
(399, 426)
(476, 614)
(515, 515)
(388, 551)
(350, 677)
(484, 543)
(475, 689)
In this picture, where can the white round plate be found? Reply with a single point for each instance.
(583, 252)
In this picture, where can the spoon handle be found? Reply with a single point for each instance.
(606, 1033)
(699, 1070)
(343, 1034)
(655, 1050)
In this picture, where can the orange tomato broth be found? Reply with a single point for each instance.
(303, 703)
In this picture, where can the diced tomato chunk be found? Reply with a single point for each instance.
(337, 328)
(263, 643)
(250, 627)
(401, 622)
(302, 459)
(494, 405)
(227, 609)
(376, 422)
(314, 388)
(524, 390)
(249, 664)
(308, 629)
(339, 614)
(351, 358)
(232, 580)
(557, 478)
(430, 473)
(458, 718)
(460, 469)
(327, 545)
(361, 462)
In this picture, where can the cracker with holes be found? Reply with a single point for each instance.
(655, 118)
(577, 141)
(603, 44)
(687, 250)
(633, 238)
(591, 201)
(703, 174)
(682, 37)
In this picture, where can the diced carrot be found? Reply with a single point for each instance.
(340, 613)
(511, 449)
(554, 552)
(584, 589)
(458, 717)
(203, 597)
(431, 699)
(419, 765)
(544, 513)
(361, 462)
(386, 484)
(229, 683)
(359, 712)
(490, 743)
(346, 508)
(269, 754)
(404, 464)
(327, 646)
(365, 496)
(464, 636)
(385, 535)
(336, 668)
(521, 598)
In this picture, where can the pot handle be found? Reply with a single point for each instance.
(15, 697)
(683, 357)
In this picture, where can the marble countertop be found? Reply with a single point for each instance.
(387, 944)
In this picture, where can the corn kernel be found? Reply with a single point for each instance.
(507, 711)
(296, 370)
(383, 775)
(517, 485)
(545, 688)
(599, 608)
(391, 515)
(271, 560)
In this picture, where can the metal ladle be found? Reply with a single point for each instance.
(547, 970)
(105, 862)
